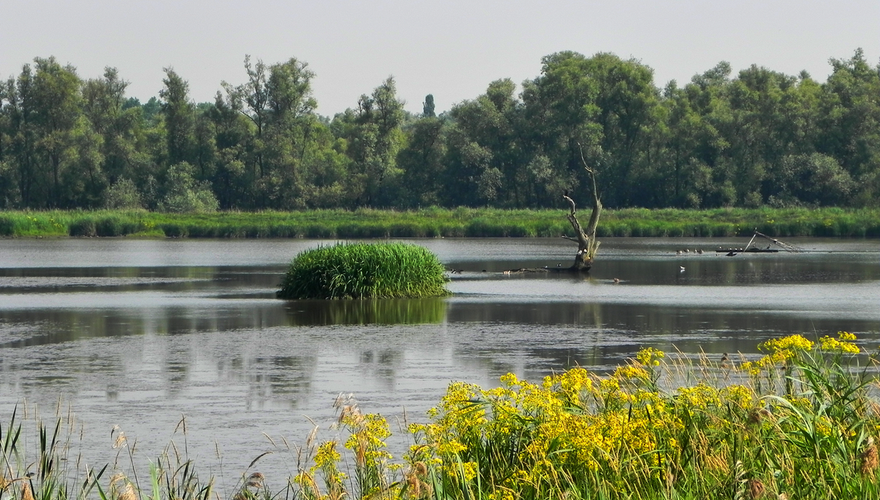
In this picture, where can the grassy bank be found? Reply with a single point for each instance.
(436, 222)
(801, 422)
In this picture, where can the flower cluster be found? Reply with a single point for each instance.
(842, 344)
(622, 436)
(780, 351)
(649, 356)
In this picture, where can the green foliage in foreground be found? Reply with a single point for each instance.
(364, 270)
(438, 222)
(801, 422)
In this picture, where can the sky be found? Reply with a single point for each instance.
(452, 49)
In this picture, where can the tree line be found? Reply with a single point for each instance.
(756, 138)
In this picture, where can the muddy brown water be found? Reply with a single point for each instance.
(138, 333)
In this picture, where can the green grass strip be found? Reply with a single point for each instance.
(438, 222)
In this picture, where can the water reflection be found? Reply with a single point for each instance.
(364, 312)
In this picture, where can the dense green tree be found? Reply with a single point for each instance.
(560, 108)
(756, 137)
(422, 160)
(8, 191)
(123, 194)
(628, 106)
(278, 101)
(484, 151)
(184, 193)
(179, 118)
(234, 171)
(813, 180)
(43, 129)
(119, 124)
(289, 139)
(850, 123)
(682, 173)
(428, 107)
(251, 99)
(374, 137)
(699, 140)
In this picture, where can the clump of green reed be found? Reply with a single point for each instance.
(364, 270)
(797, 423)
(42, 468)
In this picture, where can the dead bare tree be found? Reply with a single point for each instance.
(588, 245)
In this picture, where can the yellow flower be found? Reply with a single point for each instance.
(752, 368)
(469, 469)
(509, 380)
(631, 372)
(840, 344)
(846, 336)
(739, 394)
(786, 344)
(502, 494)
(699, 396)
(649, 356)
(780, 351)
(451, 447)
(326, 454)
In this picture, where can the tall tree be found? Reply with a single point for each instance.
(627, 103)
(43, 112)
(484, 149)
(423, 163)
(119, 126)
(428, 107)
(374, 137)
(560, 108)
(850, 123)
(179, 116)
(290, 137)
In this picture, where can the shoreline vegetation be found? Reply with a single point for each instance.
(800, 422)
(440, 223)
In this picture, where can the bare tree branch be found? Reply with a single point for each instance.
(587, 243)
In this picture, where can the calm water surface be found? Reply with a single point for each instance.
(137, 333)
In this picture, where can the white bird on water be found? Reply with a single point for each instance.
(681, 269)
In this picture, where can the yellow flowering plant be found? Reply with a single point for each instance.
(579, 434)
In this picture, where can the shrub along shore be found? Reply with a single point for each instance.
(438, 222)
(801, 422)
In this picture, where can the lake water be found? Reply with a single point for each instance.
(137, 333)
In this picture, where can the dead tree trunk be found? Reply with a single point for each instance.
(588, 245)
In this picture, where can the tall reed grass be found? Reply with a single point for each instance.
(38, 461)
(437, 222)
(364, 270)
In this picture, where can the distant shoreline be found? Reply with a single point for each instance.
(439, 223)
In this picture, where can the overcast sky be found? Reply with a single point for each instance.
(451, 49)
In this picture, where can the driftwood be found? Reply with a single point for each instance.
(588, 245)
(754, 249)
